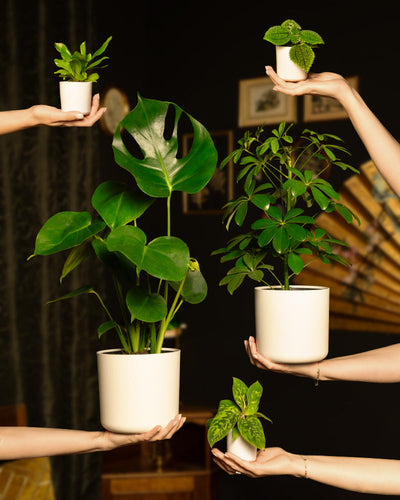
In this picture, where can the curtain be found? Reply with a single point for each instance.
(47, 352)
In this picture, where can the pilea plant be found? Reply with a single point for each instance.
(241, 416)
(286, 195)
(302, 41)
(79, 65)
(152, 279)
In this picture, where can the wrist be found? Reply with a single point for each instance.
(300, 466)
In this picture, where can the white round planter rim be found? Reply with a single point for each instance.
(119, 351)
(292, 288)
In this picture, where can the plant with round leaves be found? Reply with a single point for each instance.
(282, 197)
(153, 278)
(302, 42)
(241, 416)
(79, 66)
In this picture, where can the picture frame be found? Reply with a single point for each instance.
(320, 108)
(219, 190)
(259, 104)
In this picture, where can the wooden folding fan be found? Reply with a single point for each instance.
(365, 296)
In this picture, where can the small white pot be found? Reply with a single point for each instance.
(292, 326)
(138, 391)
(76, 96)
(286, 68)
(241, 447)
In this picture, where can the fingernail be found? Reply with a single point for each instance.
(79, 116)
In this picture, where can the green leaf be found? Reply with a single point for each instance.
(254, 394)
(77, 255)
(280, 241)
(75, 293)
(277, 35)
(251, 430)
(262, 201)
(295, 263)
(239, 391)
(160, 171)
(165, 257)
(311, 37)
(66, 230)
(303, 56)
(320, 198)
(106, 327)
(145, 306)
(118, 204)
(225, 419)
(194, 289)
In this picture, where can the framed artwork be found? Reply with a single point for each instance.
(219, 190)
(320, 108)
(259, 104)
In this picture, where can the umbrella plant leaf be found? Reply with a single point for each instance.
(160, 170)
(295, 263)
(66, 230)
(145, 306)
(118, 204)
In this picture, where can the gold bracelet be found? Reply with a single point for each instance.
(317, 377)
(305, 468)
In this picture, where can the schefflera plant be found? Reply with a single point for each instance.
(285, 195)
(241, 416)
(151, 278)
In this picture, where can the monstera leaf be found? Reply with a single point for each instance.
(159, 170)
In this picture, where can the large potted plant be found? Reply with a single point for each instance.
(284, 190)
(294, 49)
(239, 421)
(151, 278)
(78, 71)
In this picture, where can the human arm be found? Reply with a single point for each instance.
(40, 114)
(382, 147)
(378, 365)
(29, 442)
(363, 475)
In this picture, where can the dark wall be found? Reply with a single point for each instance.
(194, 54)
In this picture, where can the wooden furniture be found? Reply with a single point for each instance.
(177, 469)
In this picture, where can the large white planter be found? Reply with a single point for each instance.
(138, 391)
(292, 326)
(241, 447)
(76, 96)
(286, 68)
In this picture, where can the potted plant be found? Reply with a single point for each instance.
(282, 195)
(153, 278)
(294, 49)
(77, 71)
(239, 421)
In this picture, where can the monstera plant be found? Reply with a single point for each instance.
(151, 278)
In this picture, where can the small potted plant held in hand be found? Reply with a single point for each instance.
(294, 49)
(239, 421)
(283, 193)
(139, 382)
(77, 71)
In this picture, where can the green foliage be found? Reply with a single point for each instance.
(286, 195)
(240, 416)
(79, 66)
(302, 41)
(152, 278)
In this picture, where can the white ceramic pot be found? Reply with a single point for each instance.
(138, 391)
(241, 447)
(292, 326)
(286, 68)
(76, 96)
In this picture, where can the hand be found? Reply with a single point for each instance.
(325, 84)
(257, 359)
(269, 462)
(113, 440)
(54, 117)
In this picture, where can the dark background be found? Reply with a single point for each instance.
(194, 54)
